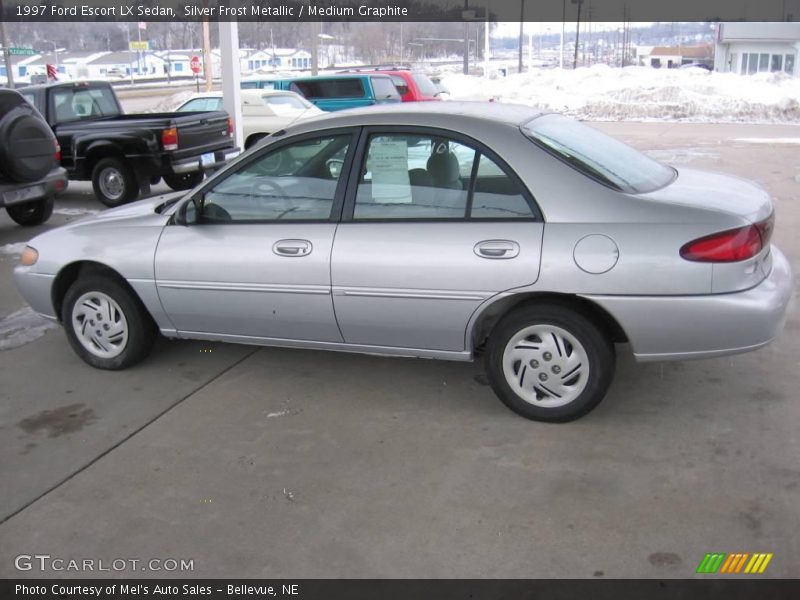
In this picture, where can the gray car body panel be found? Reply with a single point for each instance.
(418, 289)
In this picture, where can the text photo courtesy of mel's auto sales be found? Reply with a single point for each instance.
(399, 299)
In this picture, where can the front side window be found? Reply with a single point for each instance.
(788, 64)
(597, 155)
(424, 176)
(400, 84)
(296, 182)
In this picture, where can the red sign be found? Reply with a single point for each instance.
(195, 65)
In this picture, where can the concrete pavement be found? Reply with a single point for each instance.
(268, 462)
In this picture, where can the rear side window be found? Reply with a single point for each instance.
(384, 88)
(329, 88)
(431, 177)
(400, 84)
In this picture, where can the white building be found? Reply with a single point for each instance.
(748, 48)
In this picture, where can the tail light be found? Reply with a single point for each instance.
(169, 138)
(58, 151)
(732, 245)
(230, 126)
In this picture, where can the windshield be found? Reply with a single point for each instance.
(597, 155)
(425, 85)
(286, 103)
(201, 105)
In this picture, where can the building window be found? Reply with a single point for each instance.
(788, 64)
(776, 63)
(733, 65)
(763, 62)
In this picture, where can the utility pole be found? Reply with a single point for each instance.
(577, 33)
(314, 47)
(208, 73)
(466, 39)
(6, 50)
(521, 31)
(563, 26)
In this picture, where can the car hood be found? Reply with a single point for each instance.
(134, 210)
(716, 191)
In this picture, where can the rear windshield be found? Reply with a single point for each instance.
(424, 84)
(83, 102)
(597, 155)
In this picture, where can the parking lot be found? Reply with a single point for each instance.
(258, 462)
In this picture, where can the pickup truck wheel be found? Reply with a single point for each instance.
(106, 325)
(114, 182)
(33, 212)
(549, 363)
(185, 181)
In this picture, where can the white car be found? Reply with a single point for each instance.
(263, 111)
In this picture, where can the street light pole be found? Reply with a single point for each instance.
(6, 50)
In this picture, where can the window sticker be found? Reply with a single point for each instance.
(388, 163)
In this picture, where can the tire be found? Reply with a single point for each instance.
(28, 148)
(185, 181)
(254, 139)
(114, 182)
(33, 212)
(123, 333)
(549, 363)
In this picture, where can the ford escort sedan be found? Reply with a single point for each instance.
(436, 230)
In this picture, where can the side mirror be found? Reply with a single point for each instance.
(188, 213)
(334, 166)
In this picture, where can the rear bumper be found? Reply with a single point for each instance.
(195, 163)
(53, 183)
(687, 327)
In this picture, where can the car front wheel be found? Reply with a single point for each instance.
(549, 363)
(106, 324)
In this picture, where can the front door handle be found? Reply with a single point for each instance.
(292, 248)
(497, 249)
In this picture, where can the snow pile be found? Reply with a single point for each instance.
(170, 103)
(642, 93)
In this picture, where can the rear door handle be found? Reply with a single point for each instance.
(292, 248)
(497, 249)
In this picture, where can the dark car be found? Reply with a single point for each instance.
(122, 154)
(30, 176)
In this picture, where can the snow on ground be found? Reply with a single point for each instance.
(21, 327)
(13, 249)
(601, 92)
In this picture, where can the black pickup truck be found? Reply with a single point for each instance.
(124, 154)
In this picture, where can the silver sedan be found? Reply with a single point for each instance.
(436, 230)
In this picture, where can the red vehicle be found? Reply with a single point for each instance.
(412, 86)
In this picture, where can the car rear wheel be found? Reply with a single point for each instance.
(185, 181)
(114, 182)
(549, 363)
(106, 325)
(33, 212)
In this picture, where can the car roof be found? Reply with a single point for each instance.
(334, 76)
(428, 113)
